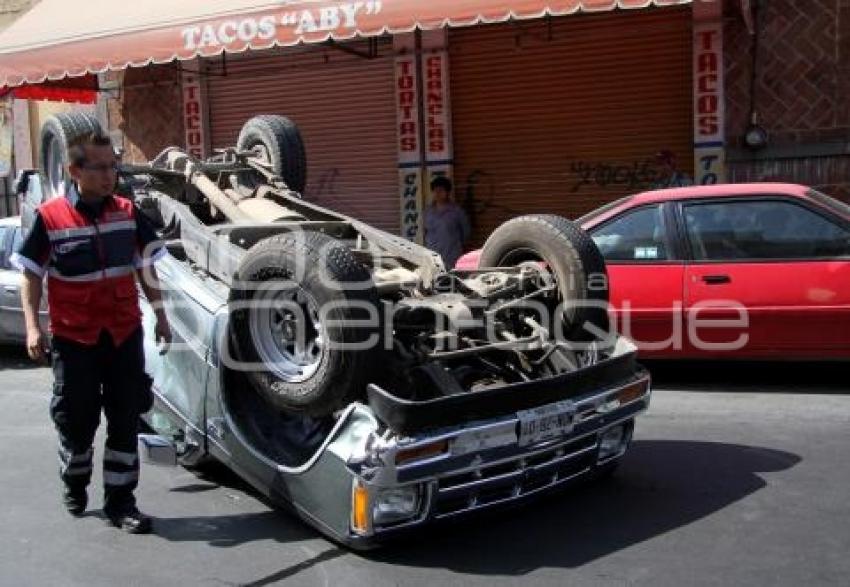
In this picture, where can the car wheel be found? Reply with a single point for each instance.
(571, 257)
(304, 322)
(277, 144)
(57, 134)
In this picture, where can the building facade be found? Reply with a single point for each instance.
(791, 69)
(553, 115)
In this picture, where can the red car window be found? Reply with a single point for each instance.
(637, 235)
(766, 229)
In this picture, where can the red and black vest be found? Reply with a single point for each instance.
(90, 278)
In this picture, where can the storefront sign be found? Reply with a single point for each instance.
(410, 184)
(409, 150)
(206, 29)
(709, 132)
(438, 136)
(337, 18)
(407, 109)
(437, 120)
(193, 115)
(426, 133)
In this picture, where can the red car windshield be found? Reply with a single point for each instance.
(600, 211)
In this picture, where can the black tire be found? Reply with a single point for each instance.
(278, 139)
(573, 258)
(57, 134)
(323, 271)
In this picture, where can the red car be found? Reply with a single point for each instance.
(755, 271)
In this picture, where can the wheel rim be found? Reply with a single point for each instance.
(287, 334)
(55, 169)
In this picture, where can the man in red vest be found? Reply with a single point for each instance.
(93, 245)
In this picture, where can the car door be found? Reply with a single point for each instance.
(12, 323)
(180, 375)
(645, 272)
(776, 270)
(12, 326)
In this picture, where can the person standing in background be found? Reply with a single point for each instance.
(446, 224)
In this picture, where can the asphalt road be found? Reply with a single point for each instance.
(738, 476)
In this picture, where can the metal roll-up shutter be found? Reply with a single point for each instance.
(564, 114)
(344, 105)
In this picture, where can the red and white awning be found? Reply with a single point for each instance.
(58, 39)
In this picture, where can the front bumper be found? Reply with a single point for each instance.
(485, 468)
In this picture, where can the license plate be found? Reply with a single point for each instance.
(545, 422)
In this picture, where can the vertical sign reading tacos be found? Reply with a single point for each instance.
(709, 131)
(194, 118)
(409, 148)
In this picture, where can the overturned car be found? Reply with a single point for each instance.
(342, 370)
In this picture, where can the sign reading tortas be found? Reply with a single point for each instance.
(407, 109)
(409, 150)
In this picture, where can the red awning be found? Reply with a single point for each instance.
(81, 90)
(57, 39)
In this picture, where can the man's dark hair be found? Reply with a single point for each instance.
(77, 148)
(441, 181)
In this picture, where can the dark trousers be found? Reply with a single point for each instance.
(89, 378)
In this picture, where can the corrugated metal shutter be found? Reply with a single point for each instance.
(345, 107)
(564, 114)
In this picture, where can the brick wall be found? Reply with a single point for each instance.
(801, 93)
(146, 111)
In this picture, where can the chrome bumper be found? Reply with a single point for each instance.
(500, 472)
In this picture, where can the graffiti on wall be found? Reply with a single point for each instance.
(660, 171)
(477, 192)
(632, 176)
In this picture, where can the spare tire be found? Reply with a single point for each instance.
(277, 142)
(296, 298)
(57, 134)
(573, 260)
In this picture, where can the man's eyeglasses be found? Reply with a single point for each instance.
(100, 167)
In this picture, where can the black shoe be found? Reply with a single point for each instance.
(132, 522)
(75, 500)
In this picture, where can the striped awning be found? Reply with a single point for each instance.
(58, 39)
